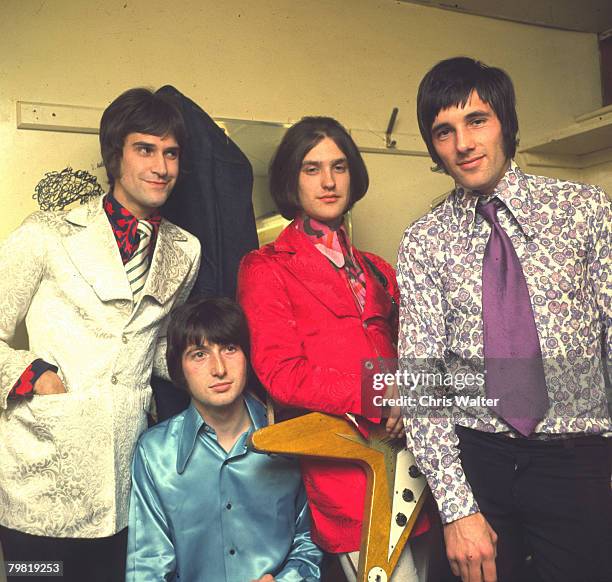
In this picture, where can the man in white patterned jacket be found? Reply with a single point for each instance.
(507, 304)
(95, 285)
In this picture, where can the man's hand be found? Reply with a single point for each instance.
(265, 578)
(471, 548)
(49, 383)
(395, 424)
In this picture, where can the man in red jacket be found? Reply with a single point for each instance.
(319, 312)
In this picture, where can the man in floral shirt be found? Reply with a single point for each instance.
(507, 290)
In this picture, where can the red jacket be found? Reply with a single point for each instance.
(308, 345)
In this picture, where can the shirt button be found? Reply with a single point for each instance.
(114, 379)
(232, 552)
(369, 365)
(124, 339)
(365, 325)
(228, 506)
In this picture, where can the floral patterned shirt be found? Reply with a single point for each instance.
(562, 234)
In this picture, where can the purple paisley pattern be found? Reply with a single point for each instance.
(562, 234)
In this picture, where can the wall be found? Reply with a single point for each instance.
(272, 60)
(600, 175)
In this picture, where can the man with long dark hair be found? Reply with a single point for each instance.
(322, 315)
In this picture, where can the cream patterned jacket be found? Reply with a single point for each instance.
(65, 458)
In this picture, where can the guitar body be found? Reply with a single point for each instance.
(396, 489)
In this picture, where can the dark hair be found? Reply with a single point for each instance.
(137, 110)
(218, 321)
(297, 142)
(450, 83)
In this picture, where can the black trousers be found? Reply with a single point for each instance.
(84, 560)
(549, 502)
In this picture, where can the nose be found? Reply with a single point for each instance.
(465, 141)
(217, 365)
(160, 166)
(328, 180)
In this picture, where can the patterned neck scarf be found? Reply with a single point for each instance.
(125, 225)
(332, 241)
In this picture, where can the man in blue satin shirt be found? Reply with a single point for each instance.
(203, 507)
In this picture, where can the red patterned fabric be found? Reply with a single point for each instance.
(309, 341)
(333, 242)
(24, 387)
(125, 225)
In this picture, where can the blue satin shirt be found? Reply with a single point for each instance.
(200, 514)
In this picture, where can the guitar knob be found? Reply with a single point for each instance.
(407, 495)
(414, 471)
(401, 519)
(377, 574)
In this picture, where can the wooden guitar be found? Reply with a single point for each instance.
(396, 488)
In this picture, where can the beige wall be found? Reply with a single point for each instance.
(600, 175)
(272, 60)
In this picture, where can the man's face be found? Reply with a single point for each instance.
(470, 142)
(149, 169)
(324, 183)
(215, 374)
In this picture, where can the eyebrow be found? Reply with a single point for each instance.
(469, 117)
(196, 348)
(307, 162)
(439, 126)
(143, 143)
(478, 113)
(149, 144)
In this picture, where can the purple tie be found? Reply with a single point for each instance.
(513, 360)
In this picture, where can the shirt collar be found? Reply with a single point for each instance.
(513, 190)
(193, 423)
(327, 238)
(125, 224)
